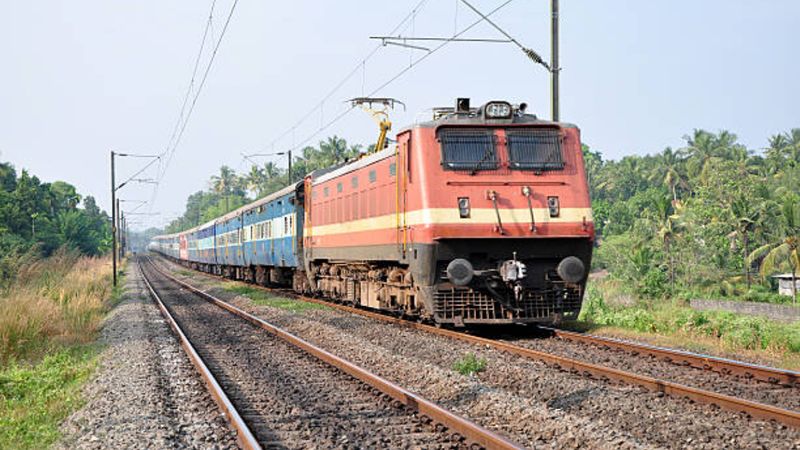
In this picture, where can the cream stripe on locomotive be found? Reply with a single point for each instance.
(435, 216)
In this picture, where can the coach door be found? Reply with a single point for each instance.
(401, 174)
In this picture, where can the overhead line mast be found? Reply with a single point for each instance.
(555, 68)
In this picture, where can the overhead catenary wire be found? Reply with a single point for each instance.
(360, 66)
(200, 87)
(400, 74)
(169, 152)
(132, 177)
(188, 94)
(528, 52)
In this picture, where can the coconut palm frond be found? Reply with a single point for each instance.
(774, 259)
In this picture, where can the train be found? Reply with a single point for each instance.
(478, 216)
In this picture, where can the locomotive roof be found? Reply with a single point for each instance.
(319, 176)
(264, 200)
(474, 118)
(287, 190)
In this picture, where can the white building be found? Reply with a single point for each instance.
(785, 283)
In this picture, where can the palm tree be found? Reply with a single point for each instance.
(254, 180)
(668, 226)
(786, 251)
(224, 184)
(746, 218)
(703, 146)
(669, 169)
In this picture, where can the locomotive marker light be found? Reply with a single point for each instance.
(463, 207)
(571, 269)
(497, 110)
(553, 206)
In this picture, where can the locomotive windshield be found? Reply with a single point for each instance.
(468, 149)
(534, 149)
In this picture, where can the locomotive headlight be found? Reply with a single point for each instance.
(463, 207)
(554, 206)
(571, 269)
(460, 272)
(497, 110)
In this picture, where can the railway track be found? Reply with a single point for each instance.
(278, 390)
(722, 366)
(770, 376)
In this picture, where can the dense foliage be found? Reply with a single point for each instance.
(37, 218)
(700, 220)
(229, 190)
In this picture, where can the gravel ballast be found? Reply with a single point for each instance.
(535, 404)
(289, 398)
(146, 393)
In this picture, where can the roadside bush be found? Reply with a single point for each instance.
(733, 330)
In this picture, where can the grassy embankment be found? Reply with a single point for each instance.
(263, 298)
(50, 317)
(608, 309)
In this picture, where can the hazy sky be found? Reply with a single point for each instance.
(82, 77)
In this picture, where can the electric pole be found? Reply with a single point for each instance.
(554, 67)
(290, 166)
(119, 235)
(113, 221)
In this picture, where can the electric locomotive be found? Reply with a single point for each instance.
(479, 216)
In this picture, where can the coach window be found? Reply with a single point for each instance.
(339, 187)
(285, 226)
(373, 177)
(326, 191)
(392, 169)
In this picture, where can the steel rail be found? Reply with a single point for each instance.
(244, 436)
(706, 362)
(754, 409)
(458, 424)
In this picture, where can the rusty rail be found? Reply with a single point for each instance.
(457, 424)
(706, 362)
(244, 436)
(754, 409)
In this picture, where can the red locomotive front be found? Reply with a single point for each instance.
(481, 215)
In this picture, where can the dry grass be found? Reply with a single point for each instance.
(55, 301)
(51, 313)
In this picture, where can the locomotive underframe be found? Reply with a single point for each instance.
(413, 281)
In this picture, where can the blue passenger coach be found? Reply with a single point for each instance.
(261, 241)
(271, 227)
(228, 230)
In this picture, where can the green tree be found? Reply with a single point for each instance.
(783, 253)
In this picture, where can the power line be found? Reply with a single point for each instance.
(401, 73)
(528, 52)
(361, 66)
(200, 88)
(170, 151)
(194, 74)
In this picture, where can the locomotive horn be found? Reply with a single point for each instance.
(460, 272)
(571, 269)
